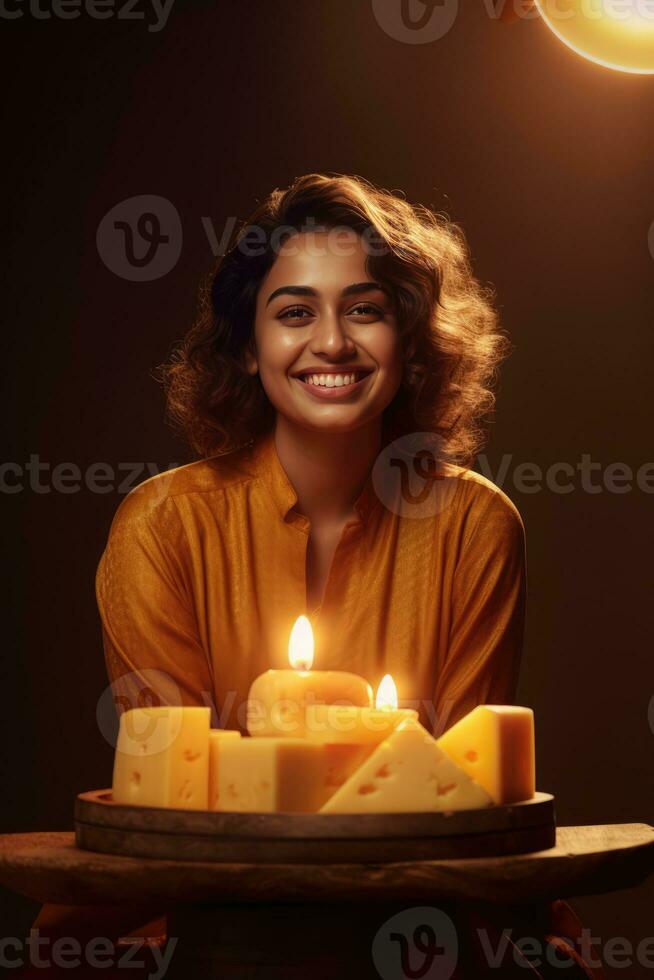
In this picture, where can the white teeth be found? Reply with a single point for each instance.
(330, 380)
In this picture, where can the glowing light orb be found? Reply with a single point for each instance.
(618, 34)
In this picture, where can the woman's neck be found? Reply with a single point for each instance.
(327, 469)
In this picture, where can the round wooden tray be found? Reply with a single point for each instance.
(270, 838)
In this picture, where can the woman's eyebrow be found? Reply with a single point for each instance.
(355, 288)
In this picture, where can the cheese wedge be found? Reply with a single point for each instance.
(494, 743)
(407, 773)
(162, 757)
(269, 775)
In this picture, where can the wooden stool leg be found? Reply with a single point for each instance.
(541, 940)
(112, 920)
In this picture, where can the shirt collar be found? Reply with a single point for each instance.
(270, 471)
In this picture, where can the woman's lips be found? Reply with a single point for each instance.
(340, 391)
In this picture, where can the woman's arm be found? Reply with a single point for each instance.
(149, 627)
(488, 614)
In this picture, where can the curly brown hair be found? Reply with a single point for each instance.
(451, 341)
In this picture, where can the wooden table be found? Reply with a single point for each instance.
(253, 921)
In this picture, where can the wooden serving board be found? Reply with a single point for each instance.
(312, 838)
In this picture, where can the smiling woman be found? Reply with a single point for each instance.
(342, 345)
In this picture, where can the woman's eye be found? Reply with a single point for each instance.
(365, 309)
(292, 314)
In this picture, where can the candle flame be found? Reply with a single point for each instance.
(386, 693)
(300, 644)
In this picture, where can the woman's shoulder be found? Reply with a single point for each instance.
(482, 502)
(155, 498)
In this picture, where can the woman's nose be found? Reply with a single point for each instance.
(330, 336)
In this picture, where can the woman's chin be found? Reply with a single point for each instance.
(329, 419)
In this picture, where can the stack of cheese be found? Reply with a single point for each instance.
(170, 757)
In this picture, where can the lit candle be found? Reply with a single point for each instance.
(335, 723)
(279, 699)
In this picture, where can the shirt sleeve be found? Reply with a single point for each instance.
(487, 615)
(152, 649)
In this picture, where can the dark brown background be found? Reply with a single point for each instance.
(546, 159)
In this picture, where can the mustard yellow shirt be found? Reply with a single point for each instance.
(204, 574)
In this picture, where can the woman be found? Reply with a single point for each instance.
(333, 386)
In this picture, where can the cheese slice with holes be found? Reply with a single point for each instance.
(408, 773)
(162, 757)
(494, 743)
(285, 774)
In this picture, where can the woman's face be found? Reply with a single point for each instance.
(326, 337)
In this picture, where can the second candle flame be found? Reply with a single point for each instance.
(300, 644)
(386, 693)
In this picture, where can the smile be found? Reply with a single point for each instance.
(332, 385)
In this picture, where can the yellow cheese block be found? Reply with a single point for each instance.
(407, 773)
(494, 743)
(217, 738)
(268, 775)
(162, 758)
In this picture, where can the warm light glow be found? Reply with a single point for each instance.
(617, 34)
(386, 693)
(300, 644)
